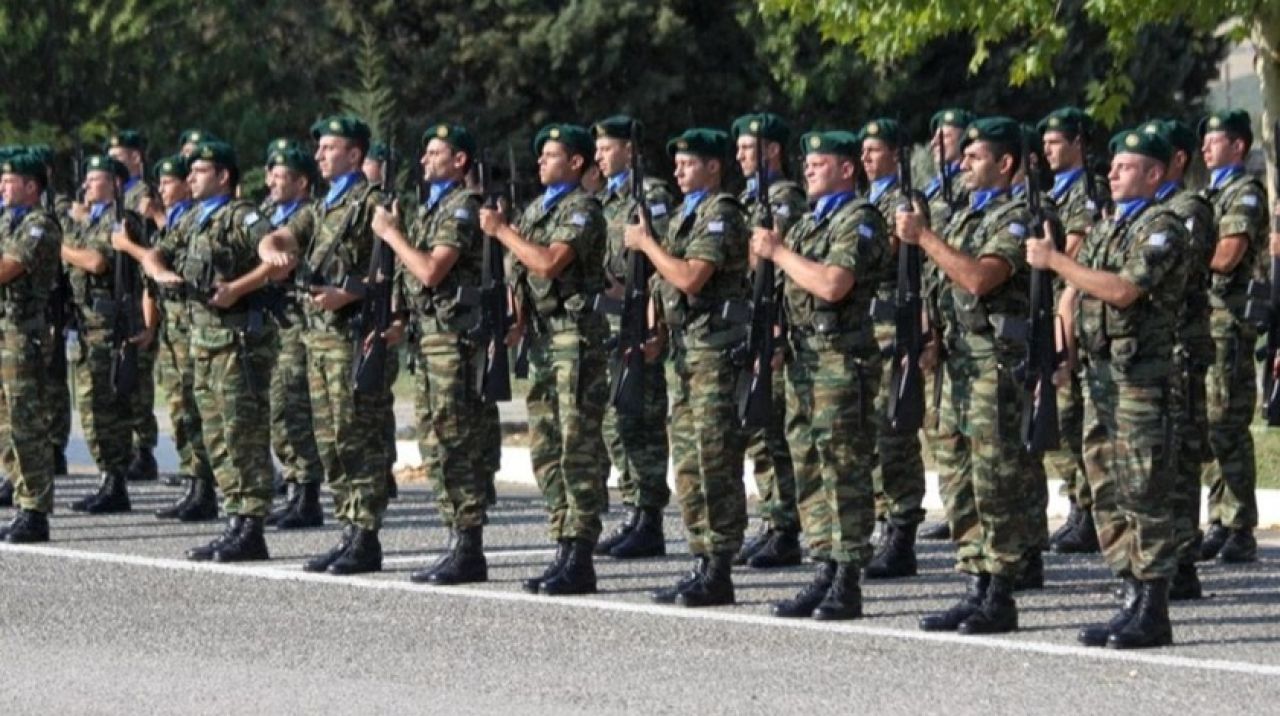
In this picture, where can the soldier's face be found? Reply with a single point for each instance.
(441, 163)
(878, 159)
(372, 169)
(982, 167)
(286, 184)
(746, 154)
(557, 165)
(131, 158)
(612, 155)
(948, 138)
(1220, 150)
(173, 190)
(695, 173)
(19, 190)
(1134, 176)
(826, 174)
(337, 156)
(99, 187)
(1061, 153)
(206, 180)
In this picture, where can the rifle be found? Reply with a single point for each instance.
(1090, 186)
(948, 195)
(369, 370)
(1263, 309)
(492, 379)
(126, 318)
(755, 354)
(906, 394)
(521, 366)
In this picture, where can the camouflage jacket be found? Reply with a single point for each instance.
(453, 221)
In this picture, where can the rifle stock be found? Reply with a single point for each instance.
(755, 386)
(906, 394)
(626, 392)
(369, 370)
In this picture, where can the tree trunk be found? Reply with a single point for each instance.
(1266, 62)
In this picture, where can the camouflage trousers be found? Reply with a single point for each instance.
(772, 469)
(1231, 391)
(292, 429)
(1192, 428)
(104, 417)
(143, 430)
(450, 418)
(1067, 462)
(176, 372)
(831, 428)
(898, 472)
(389, 411)
(231, 383)
(26, 454)
(707, 446)
(1129, 453)
(487, 457)
(985, 476)
(638, 445)
(349, 430)
(56, 405)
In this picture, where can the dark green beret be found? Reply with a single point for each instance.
(956, 117)
(104, 163)
(218, 152)
(279, 145)
(616, 127)
(1233, 121)
(838, 142)
(1148, 144)
(9, 150)
(455, 135)
(993, 129)
(378, 152)
(884, 129)
(1176, 133)
(195, 136)
(293, 158)
(25, 164)
(127, 138)
(42, 152)
(175, 166)
(573, 136)
(765, 124)
(1034, 140)
(347, 127)
(704, 142)
(1071, 121)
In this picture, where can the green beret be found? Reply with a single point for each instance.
(347, 127)
(218, 152)
(838, 142)
(104, 163)
(959, 118)
(127, 138)
(1033, 139)
(195, 136)
(704, 142)
(378, 152)
(884, 129)
(9, 150)
(993, 129)
(175, 166)
(279, 145)
(1148, 144)
(1071, 121)
(1233, 121)
(42, 152)
(576, 138)
(1175, 132)
(765, 124)
(616, 127)
(455, 135)
(293, 158)
(25, 164)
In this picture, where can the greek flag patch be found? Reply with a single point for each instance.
(657, 209)
(578, 219)
(1158, 240)
(37, 232)
(782, 210)
(1018, 230)
(251, 218)
(1191, 224)
(866, 231)
(464, 214)
(1250, 200)
(716, 227)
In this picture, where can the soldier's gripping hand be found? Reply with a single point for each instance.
(908, 225)
(637, 237)
(1040, 251)
(491, 220)
(764, 242)
(385, 222)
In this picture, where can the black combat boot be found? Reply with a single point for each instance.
(998, 613)
(578, 576)
(667, 595)
(1213, 541)
(615, 538)
(1073, 518)
(292, 493)
(844, 599)
(464, 565)
(363, 556)
(306, 511)
(1098, 634)
(782, 550)
(279, 486)
(205, 552)
(533, 584)
(248, 544)
(1032, 574)
(809, 596)
(423, 576)
(1186, 584)
(896, 556)
(112, 496)
(645, 539)
(59, 463)
(143, 467)
(936, 532)
(974, 594)
(321, 563)
(203, 505)
(171, 512)
(715, 587)
(1241, 546)
(1149, 626)
(753, 545)
(6, 492)
(1082, 538)
(27, 527)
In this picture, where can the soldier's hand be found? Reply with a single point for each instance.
(1040, 252)
(636, 236)
(145, 338)
(1062, 376)
(653, 346)
(328, 298)
(79, 211)
(514, 334)
(907, 226)
(222, 296)
(776, 362)
(120, 238)
(384, 220)
(612, 288)
(394, 334)
(491, 220)
(929, 356)
(276, 257)
(167, 277)
(150, 208)
(1275, 243)
(764, 242)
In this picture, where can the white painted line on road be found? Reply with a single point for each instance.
(275, 573)
(430, 557)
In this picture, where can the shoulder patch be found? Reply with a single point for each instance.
(462, 214)
(866, 231)
(1191, 224)
(37, 232)
(658, 210)
(1158, 240)
(1250, 200)
(578, 218)
(716, 226)
(252, 218)
(1018, 229)
(782, 210)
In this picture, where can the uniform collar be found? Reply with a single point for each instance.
(340, 186)
(1129, 208)
(130, 183)
(1222, 175)
(983, 197)
(1062, 182)
(617, 181)
(770, 175)
(175, 212)
(98, 210)
(555, 192)
(283, 211)
(692, 200)
(1167, 190)
(830, 204)
(16, 214)
(437, 190)
(880, 186)
(210, 205)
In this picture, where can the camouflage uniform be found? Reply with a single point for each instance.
(567, 372)
(143, 429)
(57, 398)
(1129, 441)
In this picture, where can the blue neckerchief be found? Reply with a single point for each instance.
(982, 197)
(210, 205)
(1018, 190)
(16, 214)
(1062, 182)
(338, 187)
(880, 186)
(129, 184)
(176, 212)
(98, 210)
(951, 169)
(1167, 189)
(830, 204)
(772, 176)
(1222, 175)
(691, 201)
(555, 192)
(436, 192)
(617, 180)
(283, 211)
(1127, 208)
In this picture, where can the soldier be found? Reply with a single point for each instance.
(232, 345)
(637, 444)
(375, 170)
(291, 174)
(832, 260)
(984, 472)
(701, 265)
(90, 260)
(1065, 136)
(946, 128)
(129, 147)
(441, 255)
(558, 246)
(1193, 354)
(375, 163)
(190, 139)
(177, 368)
(28, 264)
(1240, 204)
(1126, 292)
(777, 543)
(331, 244)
